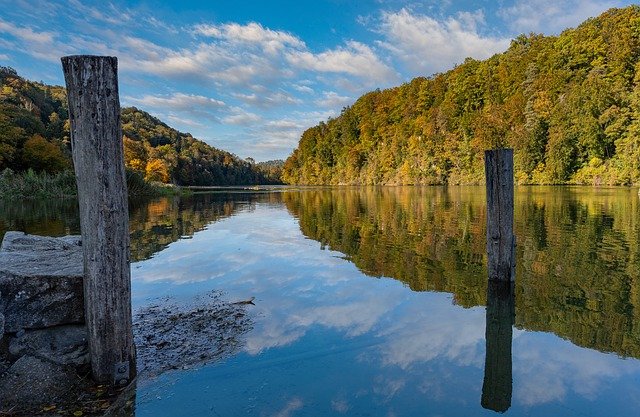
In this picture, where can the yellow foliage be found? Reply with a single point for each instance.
(135, 154)
(136, 164)
(156, 170)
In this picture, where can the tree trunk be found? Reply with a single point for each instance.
(96, 143)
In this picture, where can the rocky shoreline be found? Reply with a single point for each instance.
(44, 361)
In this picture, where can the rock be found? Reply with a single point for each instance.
(32, 381)
(40, 281)
(24, 243)
(62, 345)
(172, 335)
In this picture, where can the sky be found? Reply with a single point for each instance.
(250, 76)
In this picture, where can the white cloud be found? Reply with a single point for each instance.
(283, 124)
(204, 62)
(241, 117)
(39, 44)
(183, 111)
(356, 59)
(267, 99)
(303, 88)
(144, 49)
(273, 139)
(331, 99)
(272, 41)
(184, 121)
(113, 16)
(552, 16)
(179, 101)
(427, 45)
(26, 33)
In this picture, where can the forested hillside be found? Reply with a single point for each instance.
(272, 170)
(34, 131)
(568, 105)
(166, 155)
(34, 134)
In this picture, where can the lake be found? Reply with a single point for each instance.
(371, 301)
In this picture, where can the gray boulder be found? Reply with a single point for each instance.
(40, 281)
(31, 381)
(62, 345)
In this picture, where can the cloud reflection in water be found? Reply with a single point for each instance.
(396, 342)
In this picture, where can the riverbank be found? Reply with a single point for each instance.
(32, 185)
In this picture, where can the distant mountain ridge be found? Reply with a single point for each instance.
(34, 133)
(569, 105)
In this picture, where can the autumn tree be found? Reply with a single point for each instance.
(42, 155)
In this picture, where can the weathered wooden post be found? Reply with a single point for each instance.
(498, 168)
(498, 383)
(498, 379)
(96, 143)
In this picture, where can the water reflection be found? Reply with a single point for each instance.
(330, 340)
(578, 257)
(498, 376)
(154, 223)
(157, 223)
(578, 254)
(55, 217)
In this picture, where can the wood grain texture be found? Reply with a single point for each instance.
(498, 164)
(96, 143)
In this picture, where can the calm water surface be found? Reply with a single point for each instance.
(371, 301)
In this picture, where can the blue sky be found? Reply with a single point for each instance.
(250, 76)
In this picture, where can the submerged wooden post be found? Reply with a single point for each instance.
(497, 386)
(498, 168)
(96, 143)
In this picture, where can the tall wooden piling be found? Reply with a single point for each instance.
(96, 143)
(498, 167)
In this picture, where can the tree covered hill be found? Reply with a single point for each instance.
(569, 105)
(34, 134)
(166, 155)
(272, 170)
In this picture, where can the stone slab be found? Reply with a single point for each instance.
(62, 345)
(40, 281)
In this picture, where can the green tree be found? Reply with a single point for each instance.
(42, 155)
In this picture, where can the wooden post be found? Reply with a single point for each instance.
(498, 379)
(498, 168)
(96, 143)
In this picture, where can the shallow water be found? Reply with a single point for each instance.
(370, 301)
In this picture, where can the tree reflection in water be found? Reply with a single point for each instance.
(498, 376)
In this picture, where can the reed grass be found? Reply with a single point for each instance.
(41, 185)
